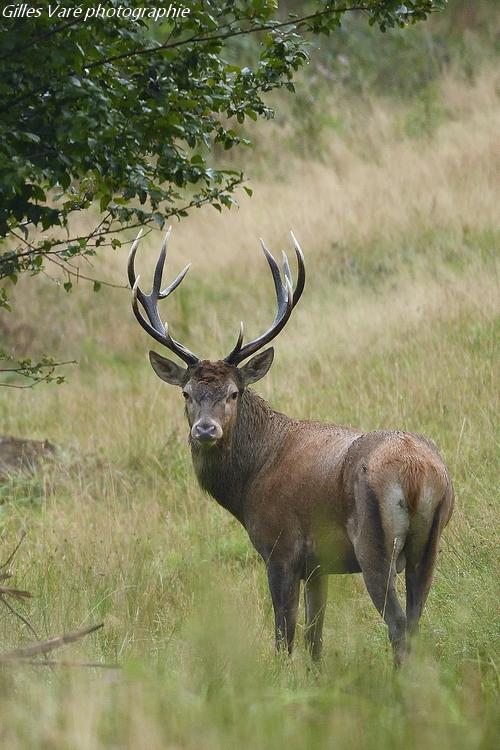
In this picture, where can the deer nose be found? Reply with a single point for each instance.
(205, 431)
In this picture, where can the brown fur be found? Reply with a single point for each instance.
(210, 372)
(316, 499)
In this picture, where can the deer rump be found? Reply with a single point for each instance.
(330, 500)
(317, 499)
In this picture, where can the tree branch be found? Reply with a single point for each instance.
(43, 37)
(97, 233)
(17, 369)
(77, 275)
(229, 34)
(32, 371)
(193, 39)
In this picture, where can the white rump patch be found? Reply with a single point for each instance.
(422, 520)
(396, 518)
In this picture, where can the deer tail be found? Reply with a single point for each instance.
(413, 473)
(418, 475)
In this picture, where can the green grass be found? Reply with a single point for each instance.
(398, 328)
(126, 537)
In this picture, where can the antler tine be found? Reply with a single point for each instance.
(131, 260)
(301, 278)
(181, 350)
(237, 347)
(160, 264)
(175, 283)
(153, 325)
(281, 292)
(158, 335)
(133, 281)
(278, 285)
(286, 267)
(285, 298)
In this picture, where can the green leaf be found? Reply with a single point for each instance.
(105, 201)
(84, 118)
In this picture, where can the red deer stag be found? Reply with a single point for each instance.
(314, 498)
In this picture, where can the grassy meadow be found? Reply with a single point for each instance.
(398, 328)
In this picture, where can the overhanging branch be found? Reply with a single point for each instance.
(296, 22)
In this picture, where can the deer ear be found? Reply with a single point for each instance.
(257, 367)
(167, 370)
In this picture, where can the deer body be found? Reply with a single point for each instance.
(271, 472)
(314, 498)
(317, 499)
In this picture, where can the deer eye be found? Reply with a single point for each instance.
(234, 395)
(186, 395)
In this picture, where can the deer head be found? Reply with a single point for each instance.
(213, 390)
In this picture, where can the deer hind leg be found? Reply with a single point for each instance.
(377, 558)
(284, 584)
(419, 572)
(380, 583)
(315, 595)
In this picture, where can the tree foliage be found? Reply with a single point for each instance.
(124, 114)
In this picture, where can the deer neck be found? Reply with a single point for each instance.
(227, 470)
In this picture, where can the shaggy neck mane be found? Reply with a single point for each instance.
(227, 468)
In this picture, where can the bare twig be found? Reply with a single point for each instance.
(16, 593)
(26, 654)
(13, 554)
(76, 274)
(34, 373)
(64, 663)
(20, 387)
(19, 617)
(45, 647)
(41, 367)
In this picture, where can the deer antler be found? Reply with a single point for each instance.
(286, 298)
(149, 302)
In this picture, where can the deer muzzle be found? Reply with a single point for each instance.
(206, 431)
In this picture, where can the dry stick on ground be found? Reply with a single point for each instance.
(16, 593)
(25, 654)
(64, 663)
(45, 647)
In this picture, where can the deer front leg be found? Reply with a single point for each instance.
(284, 584)
(315, 595)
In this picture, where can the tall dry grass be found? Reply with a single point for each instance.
(398, 327)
